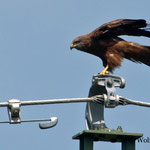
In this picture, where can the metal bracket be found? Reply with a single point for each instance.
(15, 117)
(117, 81)
(102, 85)
(111, 99)
(14, 111)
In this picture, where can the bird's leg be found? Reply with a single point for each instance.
(104, 72)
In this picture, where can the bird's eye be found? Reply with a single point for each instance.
(76, 42)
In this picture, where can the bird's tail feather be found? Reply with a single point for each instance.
(145, 55)
(138, 53)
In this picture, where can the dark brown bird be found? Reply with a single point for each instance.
(105, 43)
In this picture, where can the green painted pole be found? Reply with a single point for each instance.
(86, 143)
(128, 145)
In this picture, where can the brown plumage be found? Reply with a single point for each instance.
(105, 43)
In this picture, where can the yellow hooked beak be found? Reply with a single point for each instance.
(72, 46)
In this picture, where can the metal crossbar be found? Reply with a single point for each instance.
(97, 99)
(102, 92)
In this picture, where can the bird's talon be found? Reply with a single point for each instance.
(104, 73)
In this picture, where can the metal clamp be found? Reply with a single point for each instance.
(14, 111)
(111, 99)
(117, 81)
(15, 117)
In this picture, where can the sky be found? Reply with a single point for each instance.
(36, 63)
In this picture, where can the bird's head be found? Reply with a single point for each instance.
(80, 43)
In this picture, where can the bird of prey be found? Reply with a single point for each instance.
(105, 43)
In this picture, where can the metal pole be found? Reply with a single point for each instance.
(98, 99)
(56, 101)
(133, 102)
(128, 145)
(86, 143)
(50, 101)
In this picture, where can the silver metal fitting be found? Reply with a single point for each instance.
(111, 99)
(14, 111)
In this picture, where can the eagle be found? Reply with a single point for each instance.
(105, 43)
